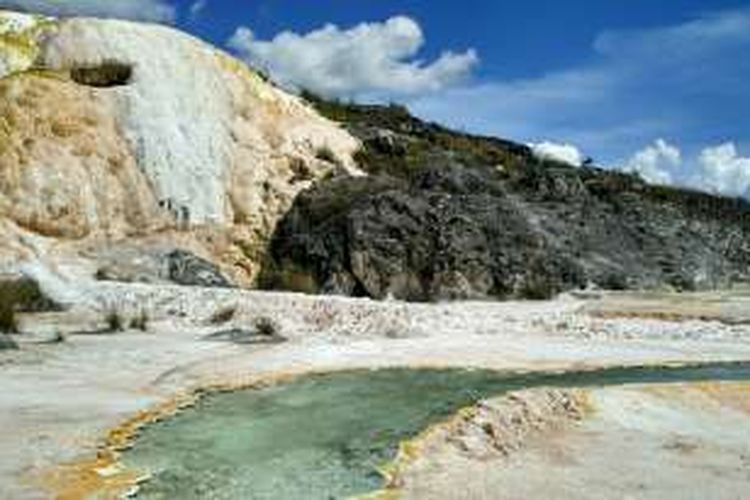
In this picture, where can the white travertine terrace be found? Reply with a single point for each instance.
(193, 136)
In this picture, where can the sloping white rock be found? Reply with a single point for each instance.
(175, 112)
(193, 140)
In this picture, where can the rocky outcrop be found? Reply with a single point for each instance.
(503, 425)
(445, 216)
(189, 270)
(117, 131)
(141, 264)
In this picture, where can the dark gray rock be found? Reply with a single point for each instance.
(423, 244)
(139, 263)
(185, 268)
(450, 216)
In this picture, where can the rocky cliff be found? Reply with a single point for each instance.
(446, 215)
(117, 135)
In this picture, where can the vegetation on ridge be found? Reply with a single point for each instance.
(382, 155)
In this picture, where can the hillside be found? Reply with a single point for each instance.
(135, 152)
(446, 215)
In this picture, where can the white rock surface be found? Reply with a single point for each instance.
(194, 139)
(175, 112)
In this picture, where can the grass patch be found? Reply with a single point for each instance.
(423, 140)
(267, 327)
(114, 321)
(20, 295)
(140, 321)
(223, 315)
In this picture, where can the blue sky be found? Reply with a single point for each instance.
(612, 78)
(654, 86)
(516, 39)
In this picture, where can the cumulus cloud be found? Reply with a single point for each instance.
(717, 169)
(565, 153)
(368, 59)
(656, 162)
(723, 170)
(675, 81)
(142, 10)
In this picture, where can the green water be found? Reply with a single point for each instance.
(323, 436)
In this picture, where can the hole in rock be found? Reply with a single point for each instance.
(106, 74)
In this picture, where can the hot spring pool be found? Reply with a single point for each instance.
(324, 436)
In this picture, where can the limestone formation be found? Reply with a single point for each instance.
(118, 131)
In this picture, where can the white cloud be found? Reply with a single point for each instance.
(142, 10)
(678, 81)
(705, 34)
(723, 170)
(717, 169)
(656, 162)
(197, 7)
(368, 59)
(566, 153)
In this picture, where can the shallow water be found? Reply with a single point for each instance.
(323, 436)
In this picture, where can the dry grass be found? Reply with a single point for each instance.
(114, 320)
(267, 327)
(140, 321)
(223, 315)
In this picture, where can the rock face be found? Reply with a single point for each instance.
(112, 130)
(446, 216)
(189, 270)
(159, 266)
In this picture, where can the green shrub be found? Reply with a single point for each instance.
(20, 295)
(114, 321)
(140, 322)
(266, 327)
(424, 140)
